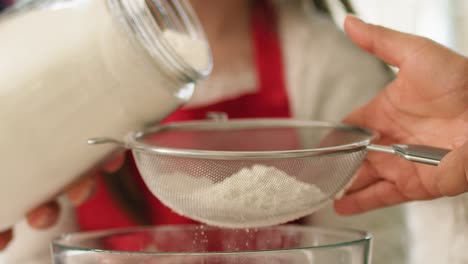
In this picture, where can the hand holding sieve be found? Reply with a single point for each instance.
(322, 154)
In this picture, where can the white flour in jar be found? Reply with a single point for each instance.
(70, 73)
(252, 197)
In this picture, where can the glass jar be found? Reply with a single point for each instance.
(288, 244)
(74, 69)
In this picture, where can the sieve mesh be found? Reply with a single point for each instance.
(195, 185)
(176, 180)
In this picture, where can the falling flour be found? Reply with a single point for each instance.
(252, 197)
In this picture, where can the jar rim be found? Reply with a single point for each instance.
(141, 18)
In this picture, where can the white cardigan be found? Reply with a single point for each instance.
(327, 77)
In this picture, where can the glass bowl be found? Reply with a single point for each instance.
(194, 244)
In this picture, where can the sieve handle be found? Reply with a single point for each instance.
(106, 140)
(416, 153)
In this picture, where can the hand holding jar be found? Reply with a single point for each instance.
(79, 69)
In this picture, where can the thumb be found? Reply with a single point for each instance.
(452, 178)
(389, 45)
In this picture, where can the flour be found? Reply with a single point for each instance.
(70, 73)
(193, 51)
(252, 197)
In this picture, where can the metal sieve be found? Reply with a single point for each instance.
(180, 162)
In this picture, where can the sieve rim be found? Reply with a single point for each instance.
(132, 140)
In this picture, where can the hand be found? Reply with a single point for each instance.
(47, 214)
(427, 104)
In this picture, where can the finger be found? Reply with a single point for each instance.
(83, 190)
(378, 195)
(5, 238)
(114, 164)
(452, 178)
(365, 176)
(391, 46)
(44, 216)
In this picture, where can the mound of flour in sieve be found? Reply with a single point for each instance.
(252, 197)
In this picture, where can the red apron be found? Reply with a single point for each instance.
(269, 100)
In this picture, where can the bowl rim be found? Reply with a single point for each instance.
(364, 237)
